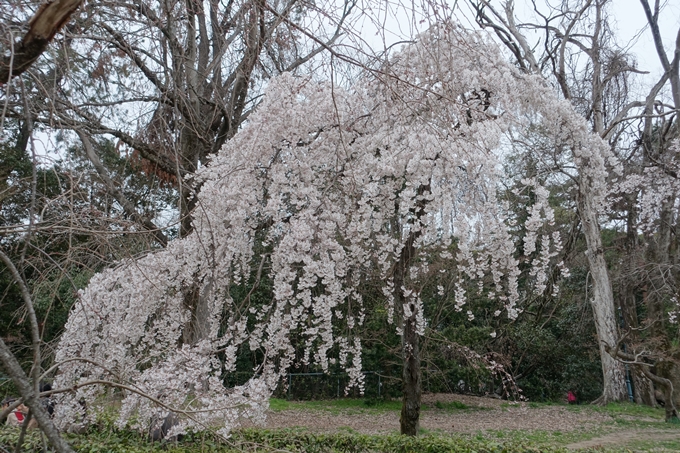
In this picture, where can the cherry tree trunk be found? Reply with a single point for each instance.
(614, 385)
(411, 379)
(410, 340)
(197, 302)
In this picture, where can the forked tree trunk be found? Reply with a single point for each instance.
(614, 385)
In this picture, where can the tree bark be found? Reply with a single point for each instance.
(197, 302)
(410, 344)
(411, 379)
(604, 308)
(410, 340)
(46, 22)
(614, 384)
(23, 384)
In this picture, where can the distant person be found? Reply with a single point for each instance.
(571, 398)
(17, 416)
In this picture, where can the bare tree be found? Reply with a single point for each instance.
(193, 70)
(578, 54)
(648, 344)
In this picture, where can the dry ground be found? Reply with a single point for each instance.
(482, 414)
(494, 415)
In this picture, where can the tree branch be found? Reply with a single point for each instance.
(44, 24)
(118, 194)
(22, 383)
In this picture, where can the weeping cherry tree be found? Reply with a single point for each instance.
(324, 187)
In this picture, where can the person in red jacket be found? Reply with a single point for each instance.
(571, 397)
(18, 415)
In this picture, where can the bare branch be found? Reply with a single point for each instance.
(128, 207)
(22, 383)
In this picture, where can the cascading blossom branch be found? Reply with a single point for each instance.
(657, 188)
(328, 187)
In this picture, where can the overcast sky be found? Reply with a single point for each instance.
(630, 22)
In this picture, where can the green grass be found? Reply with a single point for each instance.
(270, 441)
(278, 404)
(655, 445)
(631, 416)
(613, 409)
(631, 410)
(307, 442)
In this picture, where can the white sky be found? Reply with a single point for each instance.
(631, 20)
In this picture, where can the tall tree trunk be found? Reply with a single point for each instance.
(411, 378)
(410, 344)
(604, 308)
(410, 340)
(614, 385)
